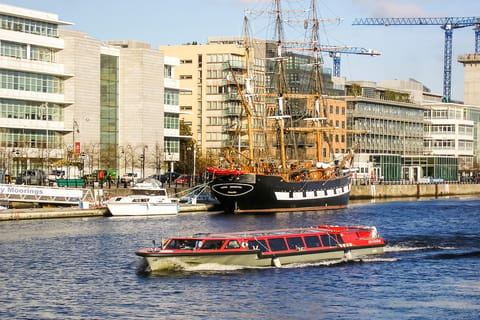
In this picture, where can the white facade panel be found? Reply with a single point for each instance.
(33, 39)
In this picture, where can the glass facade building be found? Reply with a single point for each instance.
(109, 111)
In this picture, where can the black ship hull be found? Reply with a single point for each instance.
(256, 193)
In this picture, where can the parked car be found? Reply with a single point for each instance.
(54, 175)
(32, 177)
(128, 178)
(168, 177)
(183, 179)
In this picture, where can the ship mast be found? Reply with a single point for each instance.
(317, 78)
(247, 99)
(280, 84)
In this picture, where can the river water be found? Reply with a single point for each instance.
(85, 268)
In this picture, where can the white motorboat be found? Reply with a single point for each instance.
(147, 198)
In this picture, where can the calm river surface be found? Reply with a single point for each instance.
(86, 268)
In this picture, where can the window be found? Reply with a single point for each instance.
(258, 245)
(168, 71)
(295, 243)
(171, 97)
(277, 244)
(182, 244)
(232, 244)
(312, 241)
(328, 240)
(212, 244)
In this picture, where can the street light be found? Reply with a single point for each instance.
(17, 154)
(194, 160)
(75, 128)
(142, 157)
(45, 116)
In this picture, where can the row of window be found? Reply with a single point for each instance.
(389, 111)
(28, 26)
(17, 80)
(16, 109)
(450, 128)
(444, 114)
(295, 243)
(462, 144)
(275, 244)
(26, 138)
(24, 51)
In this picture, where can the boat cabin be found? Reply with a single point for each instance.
(274, 241)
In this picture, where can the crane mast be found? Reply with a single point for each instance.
(448, 24)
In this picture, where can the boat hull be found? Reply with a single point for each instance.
(163, 261)
(248, 193)
(125, 206)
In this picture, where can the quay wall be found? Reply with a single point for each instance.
(376, 191)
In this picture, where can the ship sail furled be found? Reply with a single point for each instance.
(294, 172)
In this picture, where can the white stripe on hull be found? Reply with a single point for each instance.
(309, 195)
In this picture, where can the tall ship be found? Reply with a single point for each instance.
(284, 159)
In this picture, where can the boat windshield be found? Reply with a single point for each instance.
(187, 244)
(212, 244)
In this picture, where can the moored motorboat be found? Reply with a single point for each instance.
(147, 198)
(264, 248)
(140, 205)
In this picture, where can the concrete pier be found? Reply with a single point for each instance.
(379, 191)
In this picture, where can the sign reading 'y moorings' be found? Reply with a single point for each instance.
(40, 194)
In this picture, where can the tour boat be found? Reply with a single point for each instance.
(264, 248)
(147, 198)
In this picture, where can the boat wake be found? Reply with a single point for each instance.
(431, 252)
(456, 255)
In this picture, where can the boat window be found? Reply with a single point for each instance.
(340, 239)
(257, 245)
(277, 244)
(312, 241)
(212, 244)
(232, 244)
(188, 244)
(295, 243)
(328, 240)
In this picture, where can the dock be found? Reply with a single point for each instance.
(77, 212)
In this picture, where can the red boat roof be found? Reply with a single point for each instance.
(281, 232)
(224, 172)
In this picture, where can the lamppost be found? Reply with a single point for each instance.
(17, 155)
(45, 117)
(122, 151)
(194, 160)
(142, 157)
(75, 128)
(83, 155)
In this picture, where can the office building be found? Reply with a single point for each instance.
(68, 100)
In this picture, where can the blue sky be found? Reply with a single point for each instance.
(407, 51)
